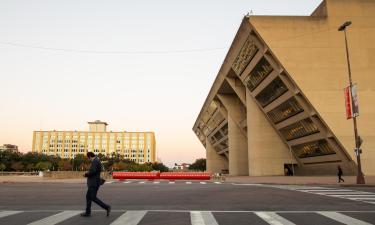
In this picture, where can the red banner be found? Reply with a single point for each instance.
(348, 101)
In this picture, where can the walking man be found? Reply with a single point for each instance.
(93, 184)
(339, 174)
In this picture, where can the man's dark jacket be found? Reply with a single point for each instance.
(93, 175)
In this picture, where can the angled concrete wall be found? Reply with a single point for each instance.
(267, 152)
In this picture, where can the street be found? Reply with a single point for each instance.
(187, 202)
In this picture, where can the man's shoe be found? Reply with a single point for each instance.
(108, 211)
(85, 215)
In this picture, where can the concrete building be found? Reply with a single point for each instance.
(136, 146)
(278, 98)
(9, 147)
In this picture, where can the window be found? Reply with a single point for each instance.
(246, 54)
(257, 75)
(312, 149)
(299, 129)
(285, 110)
(271, 92)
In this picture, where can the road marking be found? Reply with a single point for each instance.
(142, 182)
(202, 218)
(57, 218)
(188, 182)
(328, 190)
(202, 182)
(171, 182)
(361, 198)
(8, 213)
(217, 182)
(130, 218)
(156, 182)
(247, 184)
(127, 182)
(343, 218)
(109, 182)
(273, 219)
(354, 195)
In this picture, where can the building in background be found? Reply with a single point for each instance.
(183, 167)
(277, 102)
(136, 146)
(9, 147)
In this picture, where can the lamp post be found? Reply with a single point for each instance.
(357, 139)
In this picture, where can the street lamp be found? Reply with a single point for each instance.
(357, 139)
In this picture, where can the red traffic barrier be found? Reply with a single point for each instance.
(135, 175)
(185, 176)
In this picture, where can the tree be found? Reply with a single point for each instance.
(30, 167)
(118, 166)
(17, 166)
(2, 167)
(65, 165)
(158, 167)
(42, 166)
(198, 165)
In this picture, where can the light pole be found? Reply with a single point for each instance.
(357, 139)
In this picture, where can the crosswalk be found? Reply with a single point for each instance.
(143, 217)
(362, 196)
(162, 182)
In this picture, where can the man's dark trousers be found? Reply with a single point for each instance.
(91, 197)
(93, 184)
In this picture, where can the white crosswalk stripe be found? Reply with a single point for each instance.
(8, 213)
(273, 218)
(57, 218)
(368, 197)
(196, 217)
(130, 218)
(202, 218)
(339, 217)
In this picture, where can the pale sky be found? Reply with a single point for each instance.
(138, 65)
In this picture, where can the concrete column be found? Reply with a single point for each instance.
(238, 153)
(237, 141)
(267, 151)
(215, 163)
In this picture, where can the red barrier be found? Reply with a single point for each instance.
(165, 175)
(135, 175)
(185, 176)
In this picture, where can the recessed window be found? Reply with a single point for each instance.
(285, 110)
(275, 89)
(312, 149)
(258, 74)
(299, 129)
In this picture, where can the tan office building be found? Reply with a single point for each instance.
(136, 146)
(278, 98)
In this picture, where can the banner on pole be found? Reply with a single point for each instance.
(348, 101)
(355, 109)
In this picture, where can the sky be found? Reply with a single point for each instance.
(138, 65)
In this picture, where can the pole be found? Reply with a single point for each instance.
(360, 177)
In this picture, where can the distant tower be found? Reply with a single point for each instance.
(97, 126)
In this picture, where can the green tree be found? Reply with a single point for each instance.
(42, 166)
(65, 165)
(120, 166)
(17, 166)
(2, 167)
(198, 165)
(30, 167)
(158, 167)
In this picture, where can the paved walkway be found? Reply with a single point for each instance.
(306, 180)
